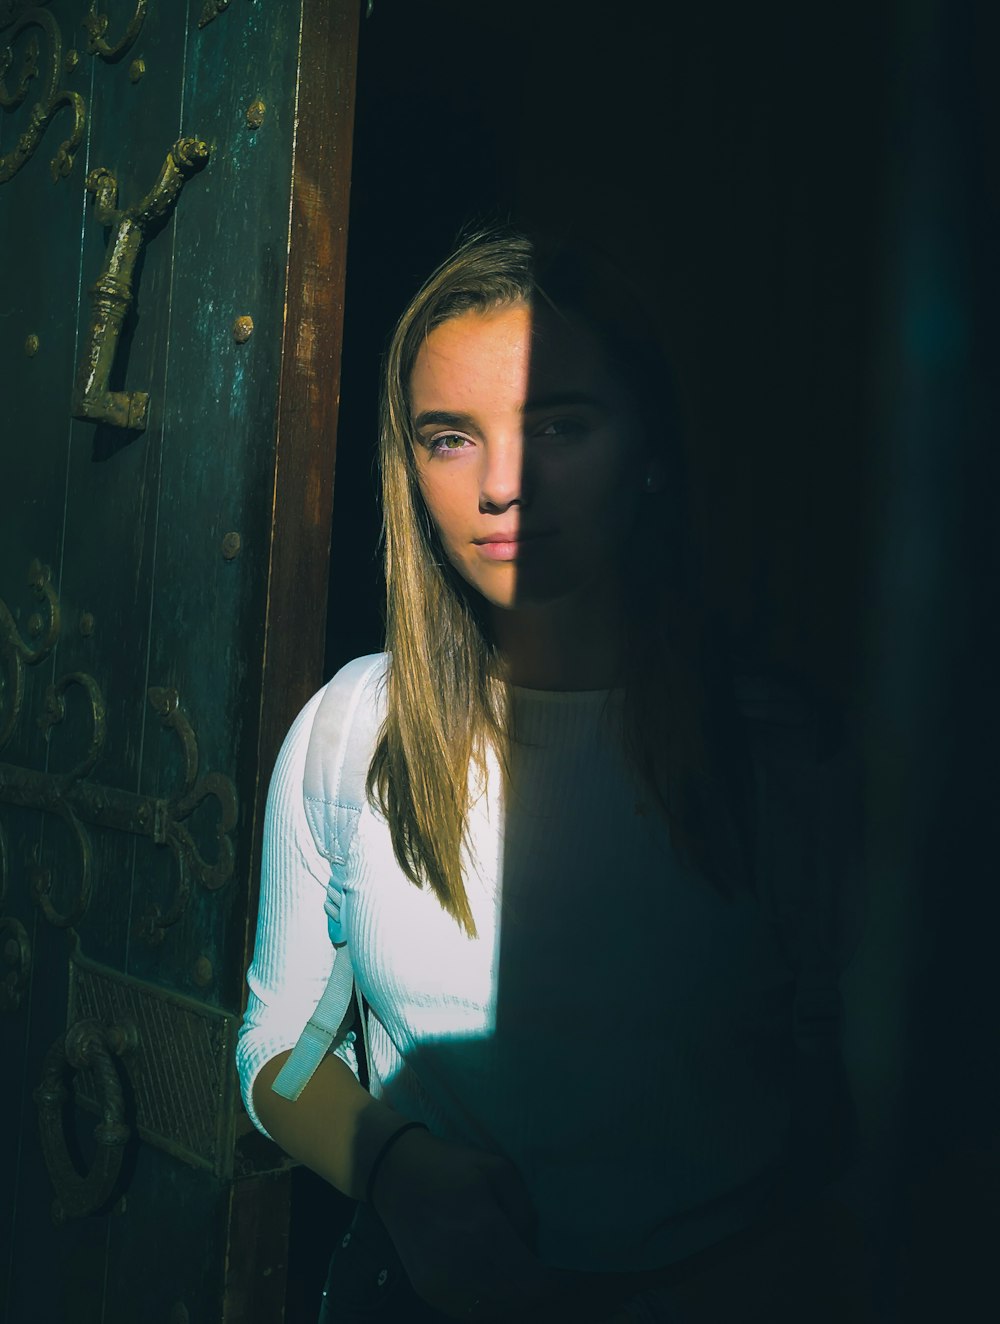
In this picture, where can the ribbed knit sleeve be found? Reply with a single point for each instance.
(293, 955)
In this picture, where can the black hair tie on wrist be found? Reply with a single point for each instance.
(380, 1156)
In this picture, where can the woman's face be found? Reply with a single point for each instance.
(530, 454)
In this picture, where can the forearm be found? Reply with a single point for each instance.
(334, 1127)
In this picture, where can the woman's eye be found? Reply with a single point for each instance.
(561, 427)
(449, 442)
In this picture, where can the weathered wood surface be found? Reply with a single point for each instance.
(154, 592)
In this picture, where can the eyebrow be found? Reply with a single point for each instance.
(562, 400)
(555, 400)
(443, 418)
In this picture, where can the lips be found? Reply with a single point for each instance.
(509, 536)
(507, 545)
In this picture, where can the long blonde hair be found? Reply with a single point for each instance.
(447, 703)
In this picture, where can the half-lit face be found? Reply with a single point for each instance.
(530, 456)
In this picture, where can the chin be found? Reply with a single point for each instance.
(514, 586)
(538, 597)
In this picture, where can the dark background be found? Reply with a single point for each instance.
(733, 163)
(810, 195)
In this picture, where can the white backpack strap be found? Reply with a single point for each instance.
(341, 745)
(340, 750)
(321, 1029)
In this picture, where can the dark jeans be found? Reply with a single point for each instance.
(366, 1280)
(803, 1268)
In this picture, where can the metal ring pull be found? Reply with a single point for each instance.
(86, 1045)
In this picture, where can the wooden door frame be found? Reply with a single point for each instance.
(309, 385)
(299, 542)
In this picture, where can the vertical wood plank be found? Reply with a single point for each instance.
(39, 293)
(256, 1268)
(309, 389)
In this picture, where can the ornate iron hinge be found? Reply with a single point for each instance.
(78, 800)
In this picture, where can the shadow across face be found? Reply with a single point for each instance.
(531, 455)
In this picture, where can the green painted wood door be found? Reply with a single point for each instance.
(173, 204)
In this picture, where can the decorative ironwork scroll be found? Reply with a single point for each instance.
(78, 801)
(41, 877)
(12, 10)
(15, 946)
(111, 296)
(16, 653)
(97, 25)
(211, 9)
(15, 956)
(192, 793)
(163, 819)
(51, 100)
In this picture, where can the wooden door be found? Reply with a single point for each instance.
(173, 206)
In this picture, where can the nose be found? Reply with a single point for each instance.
(502, 481)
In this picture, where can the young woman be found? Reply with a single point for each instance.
(568, 889)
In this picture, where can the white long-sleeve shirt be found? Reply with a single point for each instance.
(618, 1030)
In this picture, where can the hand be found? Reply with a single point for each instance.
(462, 1223)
